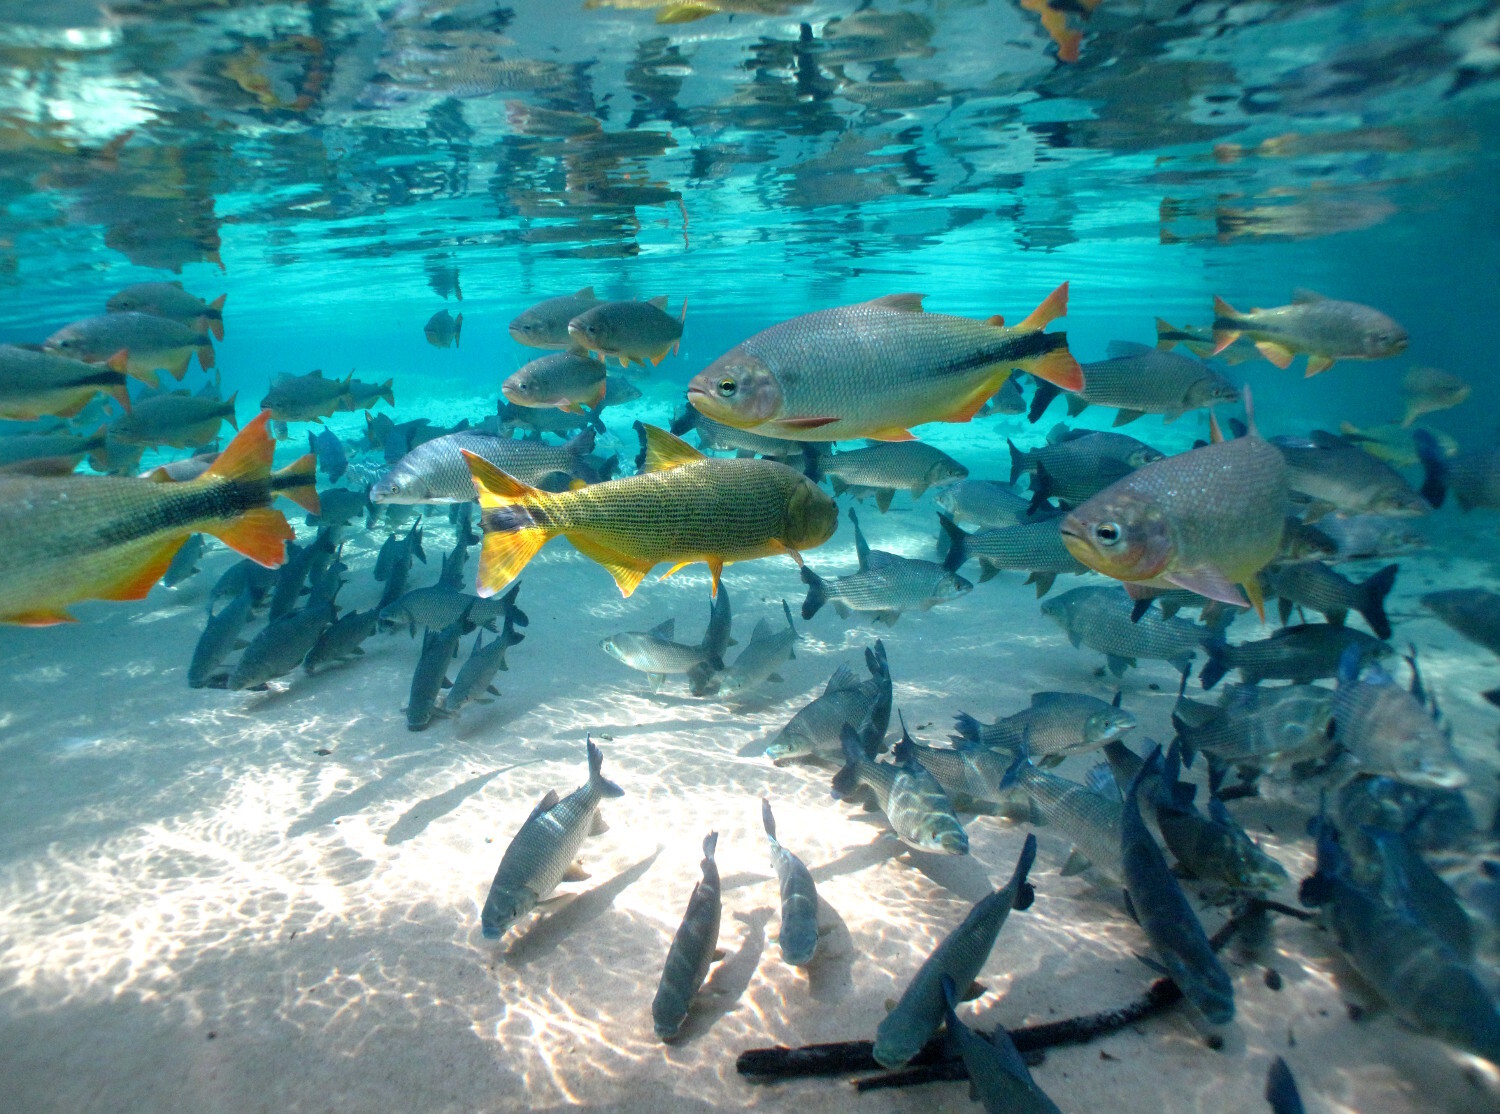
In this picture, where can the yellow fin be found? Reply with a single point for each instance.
(1215, 434)
(628, 574)
(664, 451)
(258, 533)
(503, 554)
(1256, 596)
(892, 434)
(40, 618)
(716, 569)
(1278, 354)
(1316, 364)
(674, 569)
(1053, 306)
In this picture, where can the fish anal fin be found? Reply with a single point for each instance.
(1316, 364)
(1077, 863)
(1057, 367)
(503, 554)
(971, 403)
(41, 617)
(1278, 354)
(896, 433)
(260, 534)
(627, 573)
(137, 583)
(576, 873)
(1257, 596)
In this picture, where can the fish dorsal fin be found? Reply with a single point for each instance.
(842, 680)
(1119, 349)
(659, 302)
(880, 559)
(901, 303)
(1053, 306)
(547, 803)
(761, 632)
(318, 374)
(1039, 699)
(1302, 296)
(585, 292)
(665, 629)
(664, 451)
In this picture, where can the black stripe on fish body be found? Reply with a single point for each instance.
(186, 504)
(1014, 349)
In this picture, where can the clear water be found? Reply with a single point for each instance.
(176, 863)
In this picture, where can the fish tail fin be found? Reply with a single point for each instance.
(216, 320)
(1218, 662)
(846, 781)
(766, 819)
(1053, 306)
(1040, 400)
(1226, 322)
(229, 404)
(458, 329)
(602, 785)
(512, 535)
(1018, 458)
(1372, 604)
(968, 729)
(1013, 772)
(1164, 331)
(1058, 366)
(952, 544)
(387, 392)
(298, 481)
(1434, 468)
(205, 356)
(817, 593)
(1022, 892)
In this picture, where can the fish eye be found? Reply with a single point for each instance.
(1107, 532)
(727, 387)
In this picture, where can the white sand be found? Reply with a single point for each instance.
(202, 913)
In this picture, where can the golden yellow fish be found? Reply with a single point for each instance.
(682, 507)
(70, 538)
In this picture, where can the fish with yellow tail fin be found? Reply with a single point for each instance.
(1325, 328)
(878, 368)
(682, 507)
(70, 538)
(1204, 520)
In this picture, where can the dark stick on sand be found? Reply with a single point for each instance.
(931, 1065)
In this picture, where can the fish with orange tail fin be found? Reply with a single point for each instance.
(878, 368)
(1205, 520)
(1325, 328)
(682, 507)
(70, 538)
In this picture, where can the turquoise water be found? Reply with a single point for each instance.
(343, 170)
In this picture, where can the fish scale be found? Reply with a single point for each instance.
(1142, 379)
(1100, 619)
(1089, 819)
(1027, 547)
(440, 474)
(1057, 723)
(878, 368)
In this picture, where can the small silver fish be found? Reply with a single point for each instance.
(692, 950)
(799, 898)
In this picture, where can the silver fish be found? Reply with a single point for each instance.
(545, 325)
(1057, 724)
(799, 898)
(884, 467)
(886, 584)
(692, 950)
(220, 636)
(756, 664)
(815, 731)
(439, 647)
(654, 653)
(1100, 618)
(912, 799)
(436, 472)
(280, 647)
(986, 504)
(541, 852)
(962, 954)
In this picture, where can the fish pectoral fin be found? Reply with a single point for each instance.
(1125, 416)
(1316, 364)
(1278, 354)
(137, 582)
(576, 873)
(41, 617)
(597, 825)
(1207, 581)
(775, 677)
(975, 989)
(1077, 863)
(800, 424)
(1257, 597)
(674, 569)
(656, 680)
(1153, 965)
(890, 1004)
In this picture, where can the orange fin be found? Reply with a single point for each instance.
(715, 569)
(1224, 335)
(675, 568)
(997, 320)
(205, 358)
(41, 618)
(248, 456)
(975, 400)
(216, 324)
(1223, 338)
(1057, 366)
(1215, 434)
(1206, 581)
(1163, 327)
(1316, 364)
(1053, 306)
(120, 361)
(1278, 354)
(258, 533)
(298, 482)
(1257, 597)
(894, 433)
(138, 582)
